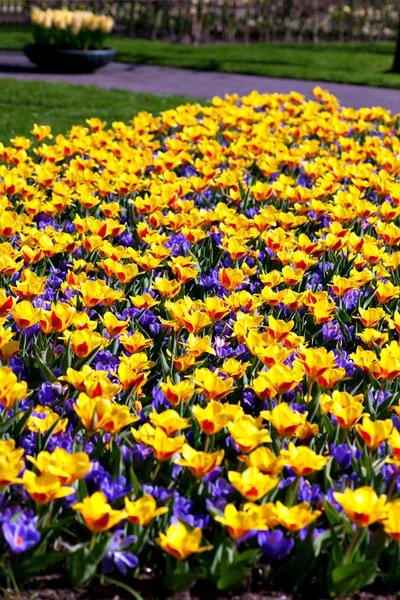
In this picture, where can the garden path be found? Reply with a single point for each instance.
(196, 84)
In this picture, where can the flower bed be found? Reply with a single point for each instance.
(200, 347)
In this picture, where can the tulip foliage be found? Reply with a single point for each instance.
(200, 347)
(72, 29)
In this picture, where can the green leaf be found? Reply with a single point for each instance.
(181, 581)
(322, 542)
(377, 544)
(123, 586)
(232, 577)
(247, 557)
(164, 365)
(343, 316)
(46, 371)
(67, 359)
(331, 513)
(48, 434)
(9, 423)
(20, 425)
(349, 578)
(32, 565)
(82, 567)
(304, 558)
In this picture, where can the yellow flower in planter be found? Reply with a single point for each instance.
(270, 355)
(7, 303)
(165, 447)
(394, 443)
(143, 301)
(131, 377)
(216, 308)
(93, 292)
(386, 292)
(370, 317)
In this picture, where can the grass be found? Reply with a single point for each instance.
(360, 63)
(61, 105)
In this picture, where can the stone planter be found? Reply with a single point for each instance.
(60, 60)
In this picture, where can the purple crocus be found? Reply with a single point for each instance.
(344, 455)
(274, 544)
(21, 534)
(117, 557)
(115, 489)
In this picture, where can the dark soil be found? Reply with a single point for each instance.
(151, 590)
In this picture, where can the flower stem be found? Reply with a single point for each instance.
(156, 470)
(392, 484)
(294, 491)
(350, 549)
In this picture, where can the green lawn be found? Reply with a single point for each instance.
(61, 105)
(360, 63)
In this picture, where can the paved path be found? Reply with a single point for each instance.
(197, 84)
